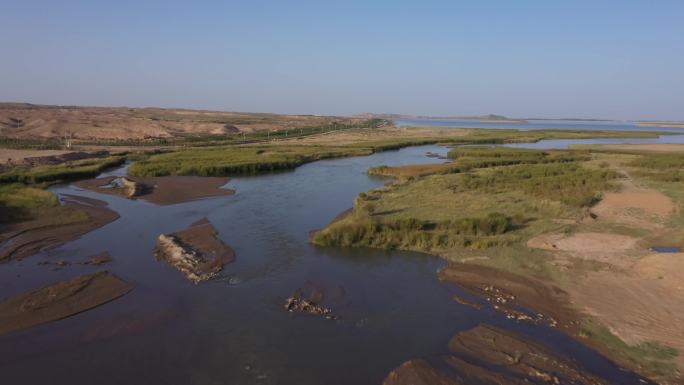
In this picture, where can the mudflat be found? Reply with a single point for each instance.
(24, 239)
(166, 190)
(60, 300)
(489, 355)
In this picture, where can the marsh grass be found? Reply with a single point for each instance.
(413, 234)
(667, 167)
(487, 204)
(19, 202)
(569, 183)
(237, 160)
(87, 168)
(23, 196)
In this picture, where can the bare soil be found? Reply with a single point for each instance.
(19, 120)
(599, 246)
(12, 156)
(60, 300)
(642, 301)
(639, 207)
(638, 295)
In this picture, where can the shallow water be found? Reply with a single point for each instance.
(666, 249)
(235, 330)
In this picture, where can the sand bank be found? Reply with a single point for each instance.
(60, 300)
(489, 355)
(24, 239)
(165, 190)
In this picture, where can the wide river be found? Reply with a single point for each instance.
(235, 330)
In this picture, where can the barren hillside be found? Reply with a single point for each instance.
(20, 120)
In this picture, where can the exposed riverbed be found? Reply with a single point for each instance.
(391, 306)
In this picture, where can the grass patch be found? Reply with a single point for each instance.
(413, 234)
(23, 196)
(86, 168)
(569, 183)
(249, 158)
(665, 173)
(493, 205)
(19, 202)
(667, 167)
(237, 160)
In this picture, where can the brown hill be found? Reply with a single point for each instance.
(22, 120)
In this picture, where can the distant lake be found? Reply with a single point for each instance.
(610, 125)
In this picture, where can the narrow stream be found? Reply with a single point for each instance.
(235, 330)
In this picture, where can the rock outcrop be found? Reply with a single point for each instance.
(132, 188)
(196, 252)
(298, 304)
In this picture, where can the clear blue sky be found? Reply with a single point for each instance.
(596, 58)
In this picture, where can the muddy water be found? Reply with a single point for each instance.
(235, 331)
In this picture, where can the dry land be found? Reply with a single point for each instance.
(28, 121)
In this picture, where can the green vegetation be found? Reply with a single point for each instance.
(501, 136)
(652, 356)
(548, 175)
(23, 195)
(17, 201)
(569, 183)
(663, 172)
(459, 205)
(668, 167)
(87, 168)
(417, 234)
(237, 160)
(249, 159)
